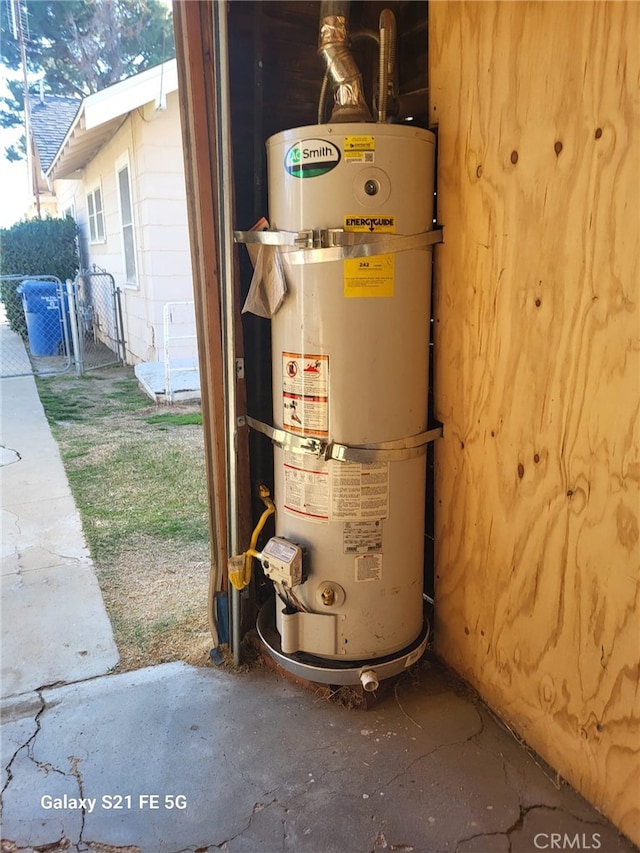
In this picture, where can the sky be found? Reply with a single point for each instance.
(14, 196)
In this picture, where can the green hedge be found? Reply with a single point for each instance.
(35, 247)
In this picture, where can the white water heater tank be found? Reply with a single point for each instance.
(350, 349)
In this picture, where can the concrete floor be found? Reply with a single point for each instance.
(174, 758)
(250, 762)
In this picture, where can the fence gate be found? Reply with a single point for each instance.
(35, 326)
(100, 338)
(46, 326)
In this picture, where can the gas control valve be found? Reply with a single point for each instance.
(282, 561)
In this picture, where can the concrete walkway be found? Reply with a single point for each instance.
(54, 626)
(174, 758)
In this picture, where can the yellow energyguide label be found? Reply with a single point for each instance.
(372, 276)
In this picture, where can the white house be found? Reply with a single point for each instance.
(119, 171)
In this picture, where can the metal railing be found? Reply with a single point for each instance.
(178, 320)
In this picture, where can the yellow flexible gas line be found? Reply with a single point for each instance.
(241, 579)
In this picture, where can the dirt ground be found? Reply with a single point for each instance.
(156, 597)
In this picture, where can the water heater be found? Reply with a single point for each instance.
(350, 354)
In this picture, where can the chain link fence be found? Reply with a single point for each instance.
(98, 321)
(35, 326)
(46, 326)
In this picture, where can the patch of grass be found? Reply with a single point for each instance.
(60, 408)
(82, 448)
(126, 395)
(171, 419)
(139, 485)
(68, 397)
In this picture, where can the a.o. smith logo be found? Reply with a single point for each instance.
(310, 158)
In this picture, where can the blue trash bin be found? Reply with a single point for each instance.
(43, 312)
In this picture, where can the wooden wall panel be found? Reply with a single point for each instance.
(537, 376)
(194, 36)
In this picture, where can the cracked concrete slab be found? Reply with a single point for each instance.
(536, 783)
(54, 626)
(15, 734)
(33, 447)
(264, 766)
(449, 806)
(544, 825)
(51, 523)
(486, 843)
(47, 637)
(8, 456)
(35, 557)
(38, 825)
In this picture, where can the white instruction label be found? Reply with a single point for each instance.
(306, 487)
(305, 393)
(279, 549)
(369, 567)
(359, 492)
(362, 537)
(341, 491)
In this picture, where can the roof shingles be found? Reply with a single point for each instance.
(51, 119)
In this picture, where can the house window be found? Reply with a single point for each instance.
(126, 224)
(96, 216)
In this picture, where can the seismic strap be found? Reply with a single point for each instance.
(404, 448)
(336, 244)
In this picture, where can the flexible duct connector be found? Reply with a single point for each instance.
(387, 62)
(357, 35)
(350, 104)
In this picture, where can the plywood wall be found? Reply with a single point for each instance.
(537, 376)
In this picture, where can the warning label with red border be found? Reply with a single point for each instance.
(305, 393)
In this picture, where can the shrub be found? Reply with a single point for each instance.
(35, 247)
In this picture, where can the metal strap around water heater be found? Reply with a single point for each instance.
(335, 244)
(387, 451)
(342, 245)
(270, 237)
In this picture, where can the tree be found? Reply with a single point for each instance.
(77, 47)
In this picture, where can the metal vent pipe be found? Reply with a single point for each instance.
(350, 104)
(387, 63)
